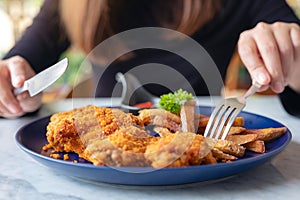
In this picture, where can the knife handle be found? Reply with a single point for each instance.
(21, 89)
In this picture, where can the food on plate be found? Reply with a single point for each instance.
(111, 137)
(267, 134)
(106, 136)
(125, 147)
(172, 102)
(160, 118)
(242, 139)
(187, 116)
(146, 104)
(177, 150)
(256, 146)
(71, 131)
(203, 120)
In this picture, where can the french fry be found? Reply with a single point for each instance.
(235, 130)
(257, 146)
(239, 121)
(242, 139)
(220, 155)
(267, 134)
(230, 148)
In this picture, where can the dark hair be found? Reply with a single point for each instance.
(89, 22)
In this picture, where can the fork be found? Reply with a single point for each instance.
(133, 91)
(225, 113)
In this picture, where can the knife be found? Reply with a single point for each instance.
(43, 79)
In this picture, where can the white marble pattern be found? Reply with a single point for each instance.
(21, 177)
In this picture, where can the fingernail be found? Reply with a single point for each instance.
(18, 81)
(262, 78)
(278, 87)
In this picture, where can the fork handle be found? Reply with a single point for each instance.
(253, 89)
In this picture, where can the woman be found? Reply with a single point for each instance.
(267, 34)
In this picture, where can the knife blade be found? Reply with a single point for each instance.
(44, 79)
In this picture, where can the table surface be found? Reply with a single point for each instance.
(21, 177)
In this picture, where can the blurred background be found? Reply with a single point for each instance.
(17, 15)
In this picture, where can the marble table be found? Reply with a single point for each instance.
(21, 177)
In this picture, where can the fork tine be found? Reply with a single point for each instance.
(227, 111)
(217, 121)
(225, 117)
(207, 132)
(223, 114)
(232, 117)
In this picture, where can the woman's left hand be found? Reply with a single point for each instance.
(271, 53)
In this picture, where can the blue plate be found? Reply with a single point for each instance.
(31, 138)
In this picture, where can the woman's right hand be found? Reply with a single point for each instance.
(13, 72)
(271, 53)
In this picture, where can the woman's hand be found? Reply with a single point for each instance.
(271, 53)
(13, 72)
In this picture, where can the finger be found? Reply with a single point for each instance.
(268, 49)
(295, 37)
(7, 99)
(30, 104)
(3, 109)
(250, 56)
(11, 116)
(23, 96)
(7, 114)
(284, 42)
(294, 74)
(17, 71)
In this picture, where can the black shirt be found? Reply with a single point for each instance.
(44, 41)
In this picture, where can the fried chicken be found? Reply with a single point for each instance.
(71, 131)
(177, 150)
(161, 118)
(111, 137)
(125, 147)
